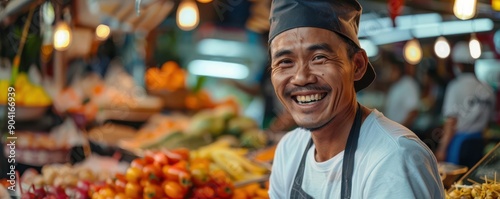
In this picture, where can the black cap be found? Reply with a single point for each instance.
(339, 16)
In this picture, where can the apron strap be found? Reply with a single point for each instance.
(347, 164)
(297, 192)
(348, 161)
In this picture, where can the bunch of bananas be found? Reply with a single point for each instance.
(231, 160)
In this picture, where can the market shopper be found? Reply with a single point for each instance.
(468, 107)
(404, 94)
(342, 149)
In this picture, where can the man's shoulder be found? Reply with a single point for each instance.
(381, 134)
(377, 124)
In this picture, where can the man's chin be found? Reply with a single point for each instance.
(312, 128)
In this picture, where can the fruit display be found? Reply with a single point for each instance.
(167, 174)
(169, 83)
(207, 173)
(202, 128)
(61, 181)
(265, 155)
(232, 160)
(252, 191)
(65, 175)
(26, 93)
(169, 77)
(35, 148)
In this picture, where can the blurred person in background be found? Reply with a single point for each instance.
(404, 94)
(468, 107)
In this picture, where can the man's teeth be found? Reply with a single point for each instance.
(309, 98)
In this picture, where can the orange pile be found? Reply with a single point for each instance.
(169, 77)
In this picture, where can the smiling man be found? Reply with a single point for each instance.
(342, 149)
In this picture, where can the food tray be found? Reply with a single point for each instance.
(488, 166)
(27, 113)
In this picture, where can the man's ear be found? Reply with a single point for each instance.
(360, 61)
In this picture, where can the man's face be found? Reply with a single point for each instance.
(312, 74)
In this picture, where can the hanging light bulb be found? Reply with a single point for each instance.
(102, 32)
(187, 15)
(474, 47)
(62, 36)
(442, 47)
(204, 1)
(412, 52)
(464, 9)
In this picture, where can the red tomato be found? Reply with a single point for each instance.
(143, 182)
(183, 152)
(185, 180)
(95, 187)
(182, 164)
(149, 157)
(133, 174)
(133, 190)
(225, 191)
(199, 175)
(175, 174)
(219, 177)
(152, 173)
(120, 182)
(174, 190)
(138, 163)
(173, 157)
(203, 192)
(160, 159)
(151, 191)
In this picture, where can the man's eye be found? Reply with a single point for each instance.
(319, 57)
(285, 63)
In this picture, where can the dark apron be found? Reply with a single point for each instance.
(347, 164)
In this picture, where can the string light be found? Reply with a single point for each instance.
(442, 47)
(464, 9)
(102, 32)
(474, 47)
(62, 36)
(187, 15)
(412, 52)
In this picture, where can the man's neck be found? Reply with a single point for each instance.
(332, 138)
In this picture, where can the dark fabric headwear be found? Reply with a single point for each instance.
(339, 16)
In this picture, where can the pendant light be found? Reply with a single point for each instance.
(442, 47)
(102, 32)
(464, 9)
(188, 16)
(412, 51)
(62, 36)
(474, 46)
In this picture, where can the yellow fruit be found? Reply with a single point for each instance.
(262, 193)
(251, 189)
(21, 80)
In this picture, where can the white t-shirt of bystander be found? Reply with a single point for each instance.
(402, 98)
(470, 101)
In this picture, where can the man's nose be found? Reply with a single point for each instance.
(303, 76)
